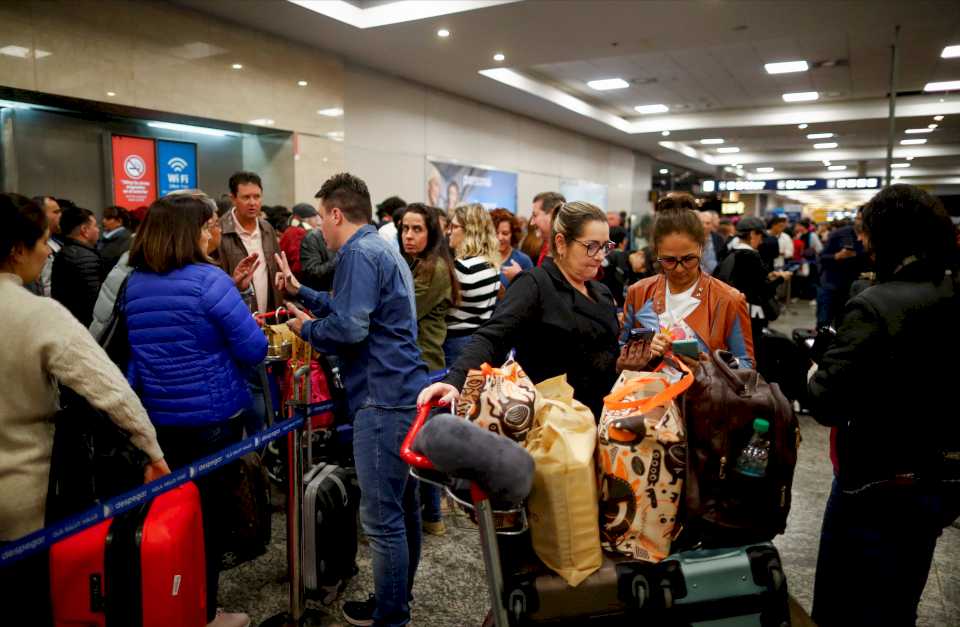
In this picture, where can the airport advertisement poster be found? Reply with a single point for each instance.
(452, 184)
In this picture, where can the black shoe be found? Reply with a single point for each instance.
(360, 613)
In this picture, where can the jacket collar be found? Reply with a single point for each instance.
(228, 223)
(362, 232)
(75, 242)
(10, 276)
(660, 292)
(580, 305)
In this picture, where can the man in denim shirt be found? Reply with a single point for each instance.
(370, 322)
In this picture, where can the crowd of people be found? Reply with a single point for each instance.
(431, 290)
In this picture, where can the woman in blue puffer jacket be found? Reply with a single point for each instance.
(191, 335)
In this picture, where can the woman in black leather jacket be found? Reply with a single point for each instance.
(887, 386)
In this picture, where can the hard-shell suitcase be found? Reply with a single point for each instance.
(143, 568)
(330, 503)
(741, 586)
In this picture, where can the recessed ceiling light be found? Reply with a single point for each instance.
(918, 131)
(802, 126)
(261, 122)
(651, 108)
(334, 112)
(302, 83)
(909, 158)
(819, 135)
(932, 126)
(237, 66)
(603, 84)
(825, 146)
(764, 170)
(111, 93)
(786, 67)
(499, 57)
(664, 171)
(665, 133)
(443, 32)
(950, 52)
(942, 86)
(707, 142)
(938, 118)
(728, 150)
(899, 165)
(801, 96)
(912, 142)
(836, 168)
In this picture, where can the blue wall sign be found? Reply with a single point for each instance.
(176, 166)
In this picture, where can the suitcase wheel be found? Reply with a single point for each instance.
(641, 591)
(667, 596)
(776, 578)
(518, 606)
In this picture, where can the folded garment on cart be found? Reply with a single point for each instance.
(463, 450)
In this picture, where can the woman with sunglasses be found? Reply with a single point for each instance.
(681, 302)
(557, 317)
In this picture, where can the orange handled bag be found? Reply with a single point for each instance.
(641, 461)
(502, 400)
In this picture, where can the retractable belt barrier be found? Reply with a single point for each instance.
(43, 538)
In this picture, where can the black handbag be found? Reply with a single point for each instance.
(114, 338)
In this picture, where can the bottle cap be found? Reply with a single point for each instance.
(760, 425)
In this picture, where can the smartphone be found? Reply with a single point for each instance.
(641, 335)
(687, 348)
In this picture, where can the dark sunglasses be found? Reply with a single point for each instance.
(688, 261)
(593, 248)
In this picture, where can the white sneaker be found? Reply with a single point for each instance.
(229, 619)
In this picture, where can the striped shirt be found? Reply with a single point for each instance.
(479, 285)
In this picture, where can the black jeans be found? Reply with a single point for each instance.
(184, 445)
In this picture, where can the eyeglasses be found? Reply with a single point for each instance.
(593, 248)
(688, 261)
(452, 226)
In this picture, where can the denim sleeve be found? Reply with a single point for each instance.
(347, 315)
(317, 302)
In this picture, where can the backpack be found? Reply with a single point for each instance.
(723, 507)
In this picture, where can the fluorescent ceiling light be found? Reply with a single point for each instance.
(826, 163)
(786, 67)
(237, 66)
(605, 84)
(728, 150)
(942, 86)
(801, 96)
(334, 112)
(392, 12)
(302, 83)
(15, 51)
(111, 94)
(932, 126)
(764, 170)
(187, 128)
(664, 171)
(261, 122)
(499, 57)
(443, 32)
(950, 52)
(707, 142)
(652, 108)
(665, 133)
(918, 131)
(938, 118)
(819, 135)
(825, 146)
(836, 168)
(899, 165)
(802, 126)
(912, 142)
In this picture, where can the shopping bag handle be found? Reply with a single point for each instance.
(511, 374)
(407, 453)
(644, 404)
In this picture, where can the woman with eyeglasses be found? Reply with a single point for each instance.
(477, 266)
(681, 302)
(558, 317)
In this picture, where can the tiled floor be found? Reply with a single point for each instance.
(450, 589)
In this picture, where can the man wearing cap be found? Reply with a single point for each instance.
(305, 219)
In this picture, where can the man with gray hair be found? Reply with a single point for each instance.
(714, 248)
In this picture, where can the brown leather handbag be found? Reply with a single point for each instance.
(725, 507)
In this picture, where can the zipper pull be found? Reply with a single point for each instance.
(783, 496)
(723, 466)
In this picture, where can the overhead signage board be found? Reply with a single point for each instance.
(176, 166)
(452, 184)
(134, 171)
(775, 185)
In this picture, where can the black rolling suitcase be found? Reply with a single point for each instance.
(330, 504)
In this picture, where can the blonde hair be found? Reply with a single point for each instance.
(571, 219)
(479, 236)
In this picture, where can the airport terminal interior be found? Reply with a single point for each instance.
(645, 155)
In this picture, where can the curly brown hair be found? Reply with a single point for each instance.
(516, 229)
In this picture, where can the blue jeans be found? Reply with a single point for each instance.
(430, 495)
(389, 508)
(452, 347)
(875, 553)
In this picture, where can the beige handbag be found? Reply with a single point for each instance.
(562, 507)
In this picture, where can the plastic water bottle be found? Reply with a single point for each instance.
(753, 459)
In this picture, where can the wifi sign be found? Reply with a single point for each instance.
(178, 165)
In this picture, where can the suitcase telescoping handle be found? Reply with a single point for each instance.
(272, 314)
(407, 453)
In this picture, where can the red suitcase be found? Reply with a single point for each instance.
(143, 568)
